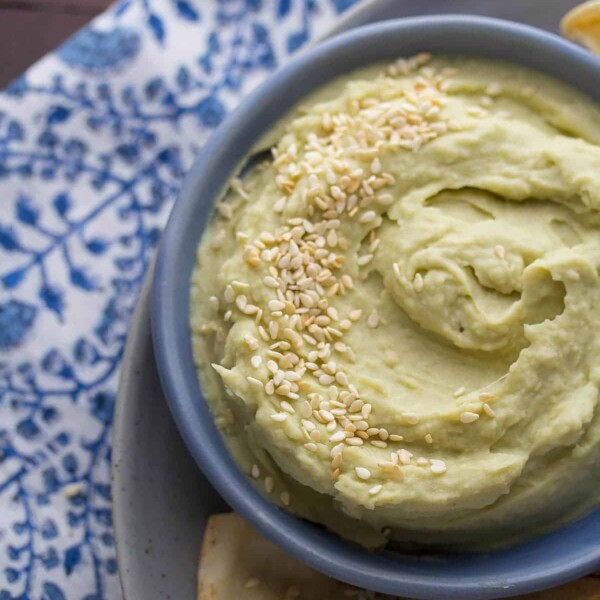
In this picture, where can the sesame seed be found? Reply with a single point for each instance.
(279, 417)
(255, 471)
(411, 418)
(499, 251)
(362, 473)
(255, 382)
(214, 302)
(275, 305)
(305, 409)
(346, 280)
(404, 456)
(311, 447)
(355, 315)
(269, 484)
(468, 417)
(354, 441)
(429, 439)
(485, 396)
(285, 498)
(368, 216)
(379, 443)
(418, 282)
(287, 407)
(394, 437)
(375, 489)
(251, 342)
(437, 466)
(489, 411)
(336, 450)
(326, 415)
(271, 282)
(459, 392)
(338, 436)
(373, 320)
(256, 361)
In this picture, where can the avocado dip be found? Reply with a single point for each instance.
(396, 319)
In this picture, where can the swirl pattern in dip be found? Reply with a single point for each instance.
(401, 309)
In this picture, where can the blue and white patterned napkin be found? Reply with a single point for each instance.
(94, 143)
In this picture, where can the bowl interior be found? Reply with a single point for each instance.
(562, 555)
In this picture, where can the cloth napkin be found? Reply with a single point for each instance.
(95, 141)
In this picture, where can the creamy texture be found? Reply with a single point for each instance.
(402, 309)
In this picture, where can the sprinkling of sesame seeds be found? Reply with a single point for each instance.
(375, 489)
(468, 417)
(362, 473)
(418, 282)
(252, 583)
(437, 466)
(459, 392)
(489, 411)
(499, 251)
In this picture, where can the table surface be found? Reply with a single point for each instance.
(31, 28)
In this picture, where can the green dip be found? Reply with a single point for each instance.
(402, 308)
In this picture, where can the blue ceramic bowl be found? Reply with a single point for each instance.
(566, 554)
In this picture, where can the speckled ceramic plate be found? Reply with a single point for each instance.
(161, 500)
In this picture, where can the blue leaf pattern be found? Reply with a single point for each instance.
(94, 145)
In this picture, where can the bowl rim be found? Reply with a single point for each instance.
(455, 576)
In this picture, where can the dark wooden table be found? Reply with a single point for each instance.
(31, 28)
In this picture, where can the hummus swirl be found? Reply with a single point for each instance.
(402, 307)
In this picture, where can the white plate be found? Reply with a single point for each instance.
(160, 499)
